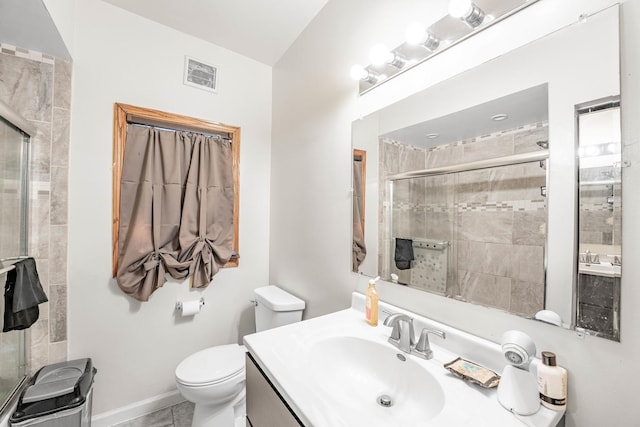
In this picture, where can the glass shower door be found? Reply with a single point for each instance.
(13, 243)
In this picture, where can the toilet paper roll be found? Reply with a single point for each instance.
(190, 308)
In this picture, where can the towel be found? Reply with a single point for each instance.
(22, 294)
(404, 253)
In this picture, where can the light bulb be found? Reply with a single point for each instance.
(379, 54)
(460, 8)
(591, 151)
(415, 34)
(358, 72)
(466, 10)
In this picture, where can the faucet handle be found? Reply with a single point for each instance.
(395, 319)
(402, 332)
(423, 348)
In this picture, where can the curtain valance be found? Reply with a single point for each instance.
(176, 208)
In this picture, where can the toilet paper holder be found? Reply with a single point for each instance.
(179, 304)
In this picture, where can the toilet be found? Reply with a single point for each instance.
(214, 378)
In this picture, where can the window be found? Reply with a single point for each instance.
(175, 199)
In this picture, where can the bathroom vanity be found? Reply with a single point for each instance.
(314, 373)
(265, 407)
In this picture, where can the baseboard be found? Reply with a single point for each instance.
(137, 409)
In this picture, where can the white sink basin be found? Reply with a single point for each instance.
(603, 269)
(331, 370)
(356, 372)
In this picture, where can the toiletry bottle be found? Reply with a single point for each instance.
(552, 383)
(371, 306)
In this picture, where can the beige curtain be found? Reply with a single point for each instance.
(359, 248)
(176, 209)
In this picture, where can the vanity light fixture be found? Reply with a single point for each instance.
(380, 55)
(499, 117)
(591, 151)
(613, 148)
(424, 41)
(417, 35)
(467, 11)
(359, 73)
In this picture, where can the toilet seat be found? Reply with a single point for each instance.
(211, 366)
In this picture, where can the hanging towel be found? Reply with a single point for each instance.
(22, 294)
(404, 253)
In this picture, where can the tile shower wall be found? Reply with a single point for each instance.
(38, 87)
(493, 219)
(600, 213)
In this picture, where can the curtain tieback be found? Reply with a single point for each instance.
(149, 262)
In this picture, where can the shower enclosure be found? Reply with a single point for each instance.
(14, 196)
(467, 219)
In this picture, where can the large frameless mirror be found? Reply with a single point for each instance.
(474, 180)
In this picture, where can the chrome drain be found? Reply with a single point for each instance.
(401, 357)
(385, 400)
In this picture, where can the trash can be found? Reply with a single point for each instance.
(58, 395)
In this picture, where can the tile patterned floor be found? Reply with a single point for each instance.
(179, 415)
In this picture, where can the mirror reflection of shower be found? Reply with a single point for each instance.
(466, 213)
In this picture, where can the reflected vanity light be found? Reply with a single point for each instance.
(595, 150)
(467, 11)
(423, 41)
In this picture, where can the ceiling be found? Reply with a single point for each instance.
(259, 29)
(524, 107)
(38, 32)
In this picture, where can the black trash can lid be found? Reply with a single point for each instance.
(55, 388)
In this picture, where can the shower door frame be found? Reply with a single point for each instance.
(26, 130)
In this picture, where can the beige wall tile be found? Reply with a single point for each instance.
(59, 195)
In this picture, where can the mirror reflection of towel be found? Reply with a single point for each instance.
(404, 253)
(22, 294)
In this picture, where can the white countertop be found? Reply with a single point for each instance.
(282, 354)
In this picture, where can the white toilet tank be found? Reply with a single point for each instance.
(275, 307)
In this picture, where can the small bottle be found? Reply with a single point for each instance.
(552, 383)
(371, 305)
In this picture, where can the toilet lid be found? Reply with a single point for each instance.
(211, 365)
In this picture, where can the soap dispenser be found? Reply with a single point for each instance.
(518, 388)
(552, 383)
(371, 305)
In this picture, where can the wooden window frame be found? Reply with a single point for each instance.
(363, 188)
(121, 115)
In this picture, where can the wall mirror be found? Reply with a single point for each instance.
(599, 218)
(471, 185)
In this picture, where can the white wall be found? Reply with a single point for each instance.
(314, 105)
(121, 57)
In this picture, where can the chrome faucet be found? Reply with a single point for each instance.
(423, 348)
(402, 332)
(402, 336)
(591, 258)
